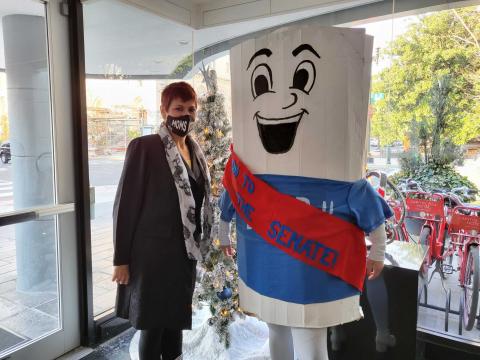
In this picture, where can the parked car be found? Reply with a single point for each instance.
(5, 155)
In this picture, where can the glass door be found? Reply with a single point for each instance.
(39, 297)
(130, 56)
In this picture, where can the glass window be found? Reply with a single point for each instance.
(26, 171)
(29, 291)
(29, 300)
(131, 55)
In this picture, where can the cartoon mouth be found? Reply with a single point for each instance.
(278, 134)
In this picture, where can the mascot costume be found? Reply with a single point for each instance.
(294, 182)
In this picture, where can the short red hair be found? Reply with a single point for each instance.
(179, 89)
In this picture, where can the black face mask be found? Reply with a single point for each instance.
(179, 125)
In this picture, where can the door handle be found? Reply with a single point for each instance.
(20, 216)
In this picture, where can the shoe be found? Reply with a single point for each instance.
(384, 340)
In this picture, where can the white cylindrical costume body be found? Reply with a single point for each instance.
(299, 106)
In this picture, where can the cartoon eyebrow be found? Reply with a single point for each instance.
(302, 47)
(263, 51)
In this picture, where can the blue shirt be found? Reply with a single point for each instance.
(273, 273)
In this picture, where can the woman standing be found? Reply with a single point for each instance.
(159, 232)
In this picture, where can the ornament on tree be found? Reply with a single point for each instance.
(226, 293)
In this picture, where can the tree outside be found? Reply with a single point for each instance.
(428, 95)
(4, 129)
(4, 125)
(441, 44)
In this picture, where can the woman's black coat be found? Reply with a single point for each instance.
(148, 237)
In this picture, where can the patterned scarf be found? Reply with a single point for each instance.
(196, 249)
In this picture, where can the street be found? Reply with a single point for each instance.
(104, 176)
(6, 188)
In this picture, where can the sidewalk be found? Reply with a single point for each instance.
(471, 169)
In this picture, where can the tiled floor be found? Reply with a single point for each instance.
(23, 314)
(116, 348)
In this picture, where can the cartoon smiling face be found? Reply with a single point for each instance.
(278, 132)
(300, 99)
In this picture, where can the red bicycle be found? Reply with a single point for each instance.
(464, 231)
(429, 209)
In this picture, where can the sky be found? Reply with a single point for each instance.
(383, 33)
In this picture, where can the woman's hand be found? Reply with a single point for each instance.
(121, 274)
(374, 269)
(227, 250)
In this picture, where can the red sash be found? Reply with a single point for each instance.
(304, 232)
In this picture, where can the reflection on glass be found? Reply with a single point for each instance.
(26, 175)
(125, 77)
(29, 297)
(118, 111)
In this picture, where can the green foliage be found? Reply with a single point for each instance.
(444, 44)
(182, 68)
(433, 176)
(448, 153)
(133, 133)
(4, 128)
(443, 151)
(432, 139)
(410, 161)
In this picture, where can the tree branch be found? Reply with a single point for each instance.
(464, 40)
(466, 28)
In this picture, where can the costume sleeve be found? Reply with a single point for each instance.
(377, 237)
(369, 209)
(128, 201)
(227, 211)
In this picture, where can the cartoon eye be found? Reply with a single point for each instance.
(261, 80)
(304, 76)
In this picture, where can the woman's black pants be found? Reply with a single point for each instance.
(154, 343)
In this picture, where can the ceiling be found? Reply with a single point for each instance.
(122, 39)
(125, 39)
(142, 43)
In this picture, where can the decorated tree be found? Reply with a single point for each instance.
(212, 129)
(218, 284)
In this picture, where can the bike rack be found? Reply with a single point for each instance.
(447, 310)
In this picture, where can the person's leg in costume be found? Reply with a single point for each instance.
(150, 344)
(337, 337)
(378, 300)
(310, 343)
(281, 342)
(171, 344)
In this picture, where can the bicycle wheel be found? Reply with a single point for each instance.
(398, 196)
(470, 287)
